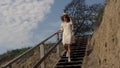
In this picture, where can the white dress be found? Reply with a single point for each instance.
(67, 32)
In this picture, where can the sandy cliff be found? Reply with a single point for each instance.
(105, 41)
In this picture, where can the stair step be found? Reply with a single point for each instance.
(78, 47)
(78, 54)
(77, 51)
(75, 56)
(69, 66)
(70, 63)
(72, 59)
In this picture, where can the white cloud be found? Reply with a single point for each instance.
(18, 18)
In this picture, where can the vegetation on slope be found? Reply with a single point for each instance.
(11, 54)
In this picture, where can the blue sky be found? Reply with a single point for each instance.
(90, 2)
(52, 21)
(25, 23)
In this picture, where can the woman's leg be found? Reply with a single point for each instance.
(66, 47)
(69, 50)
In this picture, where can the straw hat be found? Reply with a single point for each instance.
(64, 14)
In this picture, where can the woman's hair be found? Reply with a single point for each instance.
(66, 16)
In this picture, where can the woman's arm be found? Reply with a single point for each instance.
(71, 21)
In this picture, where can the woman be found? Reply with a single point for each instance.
(66, 28)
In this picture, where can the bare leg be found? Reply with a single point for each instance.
(69, 53)
(66, 47)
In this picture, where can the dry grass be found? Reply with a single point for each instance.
(28, 62)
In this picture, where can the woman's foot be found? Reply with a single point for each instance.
(69, 60)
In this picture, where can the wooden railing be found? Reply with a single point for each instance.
(35, 57)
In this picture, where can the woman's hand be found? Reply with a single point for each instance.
(59, 31)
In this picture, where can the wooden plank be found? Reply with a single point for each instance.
(46, 55)
(58, 47)
(42, 53)
(15, 59)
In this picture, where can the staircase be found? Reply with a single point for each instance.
(77, 54)
(34, 54)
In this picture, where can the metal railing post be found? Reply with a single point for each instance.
(42, 53)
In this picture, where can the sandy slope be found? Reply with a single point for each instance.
(106, 40)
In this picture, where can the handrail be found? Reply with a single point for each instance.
(12, 61)
(43, 58)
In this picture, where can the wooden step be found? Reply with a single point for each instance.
(78, 48)
(69, 66)
(77, 51)
(77, 54)
(72, 59)
(70, 63)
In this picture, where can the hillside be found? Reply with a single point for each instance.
(4, 58)
(11, 54)
(104, 46)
